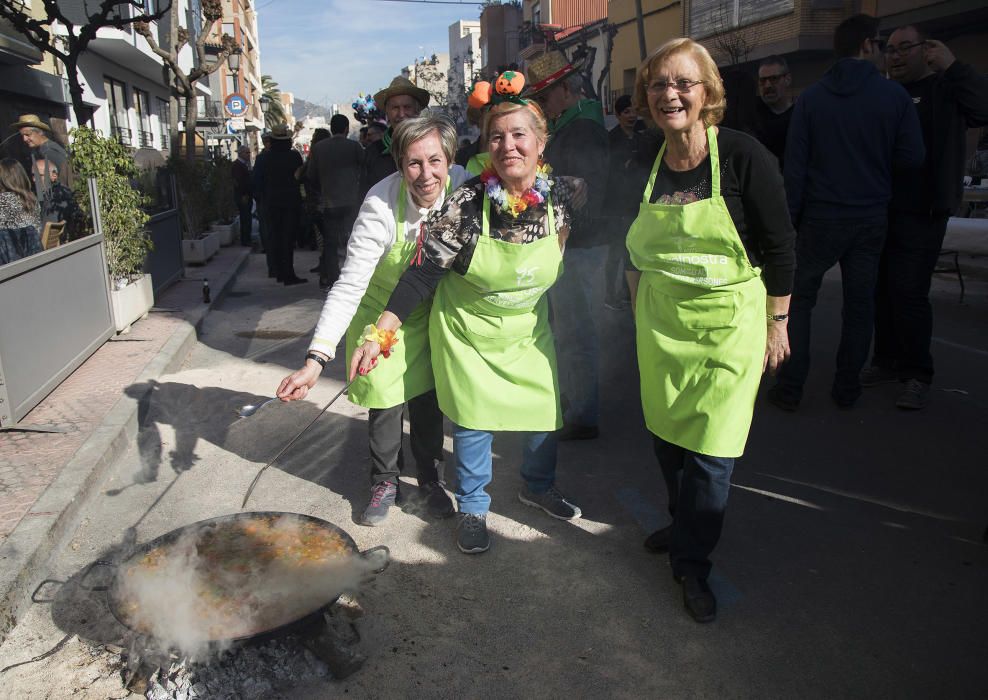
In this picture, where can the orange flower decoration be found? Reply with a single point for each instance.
(386, 339)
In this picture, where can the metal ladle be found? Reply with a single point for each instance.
(250, 409)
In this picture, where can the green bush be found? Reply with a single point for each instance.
(205, 193)
(127, 240)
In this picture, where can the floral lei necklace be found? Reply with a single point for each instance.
(510, 204)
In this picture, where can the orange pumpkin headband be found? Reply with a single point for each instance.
(507, 88)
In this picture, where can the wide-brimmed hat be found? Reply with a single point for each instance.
(30, 120)
(546, 70)
(401, 86)
(280, 132)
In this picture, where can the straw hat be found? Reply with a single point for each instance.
(280, 132)
(32, 120)
(548, 69)
(401, 86)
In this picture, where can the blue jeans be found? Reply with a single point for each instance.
(474, 470)
(857, 246)
(698, 486)
(573, 324)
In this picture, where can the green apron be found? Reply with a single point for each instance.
(407, 373)
(492, 349)
(700, 320)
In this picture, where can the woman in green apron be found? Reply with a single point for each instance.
(713, 252)
(386, 236)
(492, 252)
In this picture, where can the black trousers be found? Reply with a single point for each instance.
(336, 225)
(698, 486)
(857, 246)
(266, 240)
(425, 435)
(282, 228)
(903, 314)
(244, 207)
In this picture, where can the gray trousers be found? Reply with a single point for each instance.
(385, 434)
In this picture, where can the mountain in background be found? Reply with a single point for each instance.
(302, 109)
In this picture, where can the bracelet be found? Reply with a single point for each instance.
(386, 339)
(314, 356)
(776, 317)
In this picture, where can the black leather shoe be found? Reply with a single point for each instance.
(315, 269)
(699, 599)
(577, 432)
(780, 398)
(658, 541)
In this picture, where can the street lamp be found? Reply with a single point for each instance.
(233, 62)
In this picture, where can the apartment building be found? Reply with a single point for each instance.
(574, 26)
(464, 63)
(662, 20)
(239, 76)
(29, 84)
(500, 34)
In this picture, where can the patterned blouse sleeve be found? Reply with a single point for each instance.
(450, 229)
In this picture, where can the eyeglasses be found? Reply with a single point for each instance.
(658, 87)
(772, 79)
(901, 49)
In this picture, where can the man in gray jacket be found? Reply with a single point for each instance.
(333, 170)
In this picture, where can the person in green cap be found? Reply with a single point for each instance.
(491, 253)
(578, 147)
(713, 252)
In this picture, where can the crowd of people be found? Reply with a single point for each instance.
(31, 200)
(469, 276)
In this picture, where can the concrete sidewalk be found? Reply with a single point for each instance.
(46, 477)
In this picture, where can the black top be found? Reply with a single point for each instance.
(277, 173)
(377, 166)
(771, 129)
(628, 171)
(580, 149)
(751, 186)
(452, 232)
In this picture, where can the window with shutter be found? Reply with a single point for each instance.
(709, 17)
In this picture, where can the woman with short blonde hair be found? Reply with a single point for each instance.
(713, 256)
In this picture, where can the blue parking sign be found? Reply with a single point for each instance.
(236, 105)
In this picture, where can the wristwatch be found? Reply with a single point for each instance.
(317, 358)
(776, 317)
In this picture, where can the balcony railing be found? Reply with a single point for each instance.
(165, 143)
(145, 139)
(122, 134)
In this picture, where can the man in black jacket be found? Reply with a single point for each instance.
(949, 96)
(401, 100)
(578, 147)
(283, 202)
(847, 132)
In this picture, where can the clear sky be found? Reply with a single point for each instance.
(327, 51)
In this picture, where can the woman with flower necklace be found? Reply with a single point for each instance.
(491, 253)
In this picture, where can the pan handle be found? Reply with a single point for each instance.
(88, 570)
(379, 557)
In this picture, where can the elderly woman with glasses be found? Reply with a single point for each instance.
(386, 236)
(490, 256)
(712, 249)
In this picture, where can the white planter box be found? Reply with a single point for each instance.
(226, 234)
(131, 303)
(197, 252)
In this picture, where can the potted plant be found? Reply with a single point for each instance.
(194, 195)
(220, 184)
(123, 220)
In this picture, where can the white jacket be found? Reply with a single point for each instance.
(373, 235)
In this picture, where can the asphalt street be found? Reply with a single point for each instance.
(852, 563)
